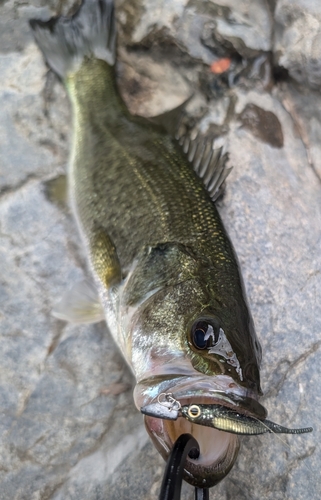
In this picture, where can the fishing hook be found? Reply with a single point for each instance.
(173, 475)
(169, 401)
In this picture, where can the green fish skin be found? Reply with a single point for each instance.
(167, 276)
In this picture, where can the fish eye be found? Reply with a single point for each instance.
(204, 334)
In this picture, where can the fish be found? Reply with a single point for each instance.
(165, 276)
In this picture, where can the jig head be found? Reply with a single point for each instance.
(166, 407)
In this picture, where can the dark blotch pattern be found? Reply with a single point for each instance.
(263, 124)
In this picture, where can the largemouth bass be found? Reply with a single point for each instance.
(167, 278)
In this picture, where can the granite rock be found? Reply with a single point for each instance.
(245, 27)
(297, 41)
(69, 428)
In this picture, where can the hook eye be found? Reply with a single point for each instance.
(164, 398)
(167, 400)
(194, 411)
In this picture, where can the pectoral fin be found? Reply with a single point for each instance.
(80, 304)
(104, 257)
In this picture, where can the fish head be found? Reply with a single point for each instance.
(186, 340)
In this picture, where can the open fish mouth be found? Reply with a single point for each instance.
(218, 449)
(215, 422)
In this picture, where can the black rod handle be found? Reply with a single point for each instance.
(202, 494)
(173, 476)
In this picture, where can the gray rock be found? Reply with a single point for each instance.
(305, 111)
(297, 43)
(277, 238)
(244, 26)
(67, 429)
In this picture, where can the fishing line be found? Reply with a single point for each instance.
(283, 442)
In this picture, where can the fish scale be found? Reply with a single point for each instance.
(171, 199)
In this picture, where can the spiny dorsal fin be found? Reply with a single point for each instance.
(208, 162)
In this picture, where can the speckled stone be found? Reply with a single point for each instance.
(64, 435)
(297, 40)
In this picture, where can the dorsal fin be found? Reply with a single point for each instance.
(208, 162)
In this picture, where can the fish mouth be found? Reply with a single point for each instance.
(218, 449)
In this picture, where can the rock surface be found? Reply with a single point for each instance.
(69, 428)
(297, 42)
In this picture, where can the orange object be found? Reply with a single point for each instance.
(220, 65)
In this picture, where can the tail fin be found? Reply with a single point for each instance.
(66, 41)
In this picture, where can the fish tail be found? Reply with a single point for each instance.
(65, 42)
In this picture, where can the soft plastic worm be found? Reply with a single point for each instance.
(228, 420)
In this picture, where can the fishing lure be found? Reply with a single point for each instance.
(216, 416)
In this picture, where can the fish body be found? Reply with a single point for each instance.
(168, 280)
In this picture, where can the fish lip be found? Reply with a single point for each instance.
(234, 398)
(242, 404)
(230, 394)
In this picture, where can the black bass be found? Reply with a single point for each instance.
(168, 282)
